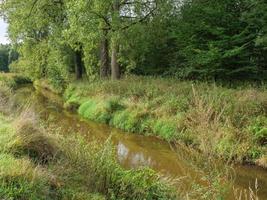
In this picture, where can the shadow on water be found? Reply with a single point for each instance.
(133, 150)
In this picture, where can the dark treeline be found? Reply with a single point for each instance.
(189, 39)
(7, 56)
(4, 52)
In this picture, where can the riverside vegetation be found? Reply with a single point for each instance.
(188, 42)
(227, 122)
(37, 163)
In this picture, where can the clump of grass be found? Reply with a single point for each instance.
(21, 179)
(13, 80)
(31, 139)
(262, 161)
(166, 129)
(5, 97)
(100, 111)
(131, 120)
(258, 129)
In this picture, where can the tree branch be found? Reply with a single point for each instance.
(33, 5)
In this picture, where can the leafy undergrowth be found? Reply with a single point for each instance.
(36, 162)
(224, 121)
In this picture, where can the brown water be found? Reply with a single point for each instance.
(132, 150)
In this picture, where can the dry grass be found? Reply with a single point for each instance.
(5, 98)
(32, 139)
(262, 161)
(207, 179)
(250, 194)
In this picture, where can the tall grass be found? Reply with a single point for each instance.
(38, 163)
(226, 122)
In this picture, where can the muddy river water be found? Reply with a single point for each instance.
(132, 150)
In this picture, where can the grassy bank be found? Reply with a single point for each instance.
(228, 122)
(36, 162)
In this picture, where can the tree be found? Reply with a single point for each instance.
(104, 22)
(214, 40)
(37, 26)
(4, 55)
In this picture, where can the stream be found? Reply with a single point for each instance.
(132, 150)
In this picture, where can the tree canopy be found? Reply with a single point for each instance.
(189, 39)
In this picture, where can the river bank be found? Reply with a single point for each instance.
(228, 122)
(134, 151)
(36, 161)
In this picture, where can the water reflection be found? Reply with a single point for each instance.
(133, 151)
(132, 158)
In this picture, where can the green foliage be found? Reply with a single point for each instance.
(258, 129)
(20, 179)
(165, 129)
(131, 120)
(215, 40)
(100, 111)
(192, 39)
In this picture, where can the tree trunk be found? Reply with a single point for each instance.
(104, 65)
(115, 71)
(78, 64)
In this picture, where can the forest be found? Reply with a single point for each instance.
(133, 86)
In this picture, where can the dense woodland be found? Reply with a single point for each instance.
(188, 39)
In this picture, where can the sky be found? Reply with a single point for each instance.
(3, 34)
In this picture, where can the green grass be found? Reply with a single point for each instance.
(36, 163)
(229, 122)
